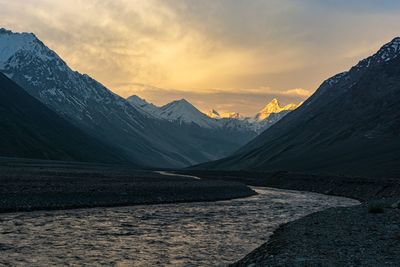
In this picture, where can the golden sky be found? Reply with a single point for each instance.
(231, 55)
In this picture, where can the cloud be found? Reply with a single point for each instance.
(250, 50)
(298, 92)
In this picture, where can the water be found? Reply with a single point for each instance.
(192, 234)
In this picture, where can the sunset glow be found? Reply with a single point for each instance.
(227, 55)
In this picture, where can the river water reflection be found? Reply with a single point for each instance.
(189, 234)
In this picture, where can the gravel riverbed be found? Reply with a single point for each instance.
(347, 236)
(28, 185)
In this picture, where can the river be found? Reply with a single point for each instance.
(188, 234)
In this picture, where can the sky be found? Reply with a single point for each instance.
(230, 55)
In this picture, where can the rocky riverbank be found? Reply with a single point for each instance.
(350, 236)
(28, 185)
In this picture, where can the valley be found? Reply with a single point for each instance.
(246, 162)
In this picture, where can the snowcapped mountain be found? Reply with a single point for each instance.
(22, 43)
(213, 114)
(265, 118)
(223, 115)
(146, 108)
(271, 114)
(178, 111)
(273, 107)
(182, 111)
(106, 116)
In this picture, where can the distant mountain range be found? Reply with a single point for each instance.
(261, 121)
(179, 111)
(351, 125)
(183, 112)
(29, 129)
(137, 132)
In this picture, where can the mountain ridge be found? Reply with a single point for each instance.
(182, 111)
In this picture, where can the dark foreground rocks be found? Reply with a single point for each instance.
(42, 185)
(350, 236)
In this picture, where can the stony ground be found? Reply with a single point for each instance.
(351, 236)
(360, 188)
(39, 185)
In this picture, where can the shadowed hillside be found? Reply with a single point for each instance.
(28, 129)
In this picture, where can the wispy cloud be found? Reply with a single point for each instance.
(250, 50)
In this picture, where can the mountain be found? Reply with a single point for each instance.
(182, 111)
(351, 125)
(258, 123)
(214, 114)
(179, 111)
(273, 107)
(29, 129)
(221, 135)
(147, 109)
(271, 114)
(105, 116)
(226, 115)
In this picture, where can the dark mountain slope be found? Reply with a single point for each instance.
(351, 125)
(28, 129)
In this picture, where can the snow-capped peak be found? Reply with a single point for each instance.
(181, 102)
(12, 43)
(214, 114)
(134, 99)
(386, 53)
(273, 107)
(184, 112)
(389, 50)
(143, 106)
(223, 115)
(231, 115)
(181, 105)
